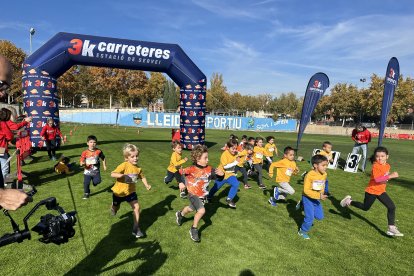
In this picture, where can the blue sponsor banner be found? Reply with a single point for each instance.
(317, 85)
(40, 101)
(172, 120)
(64, 50)
(192, 111)
(390, 83)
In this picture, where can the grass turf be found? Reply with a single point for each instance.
(256, 238)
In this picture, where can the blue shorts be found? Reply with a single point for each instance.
(117, 200)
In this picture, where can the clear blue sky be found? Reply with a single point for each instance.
(271, 46)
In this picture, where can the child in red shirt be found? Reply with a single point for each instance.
(49, 133)
(380, 174)
(90, 160)
(197, 178)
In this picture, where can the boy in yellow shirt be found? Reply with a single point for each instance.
(244, 155)
(228, 163)
(176, 161)
(127, 175)
(285, 169)
(313, 192)
(327, 152)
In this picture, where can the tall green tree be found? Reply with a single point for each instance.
(217, 96)
(154, 90)
(137, 83)
(69, 87)
(16, 56)
(170, 97)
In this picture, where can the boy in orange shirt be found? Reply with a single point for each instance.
(197, 178)
(380, 174)
(90, 160)
(176, 161)
(285, 169)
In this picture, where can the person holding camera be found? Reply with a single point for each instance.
(9, 199)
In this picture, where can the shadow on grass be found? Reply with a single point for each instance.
(150, 215)
(106, 189)
(100, 143)
(212, 207)
(296, 215)
(40, 177)
(246, 272)
(341, 163)
(118, 239)
(403, 182)
(348, 213)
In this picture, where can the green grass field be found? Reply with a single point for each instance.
(254, 239)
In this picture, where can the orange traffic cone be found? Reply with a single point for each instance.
(70, 132)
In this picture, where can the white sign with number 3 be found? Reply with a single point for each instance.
(352, 162)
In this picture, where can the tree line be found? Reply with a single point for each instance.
(106, 87)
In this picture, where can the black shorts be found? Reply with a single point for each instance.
(117, 200)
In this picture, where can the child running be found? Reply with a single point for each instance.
(258, 153)
(197, 178)
(242, 143)
(270, 151)
(285, 169)
(380, 174)
(48, 134)
(127, 175)
(228, 163)
(240, 167)
(90, 159)
(327, 151)
(250, 169)
(313, 188)
(176, 161)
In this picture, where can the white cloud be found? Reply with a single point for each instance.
(263, 2)
(367, 37)
(227, 10)
(14, 26)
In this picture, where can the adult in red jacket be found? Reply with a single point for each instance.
(361, 137)
(10, 199)
(5, 137)
(5, 166)
(11, 124)
(49, 133)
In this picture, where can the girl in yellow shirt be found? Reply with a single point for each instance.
(258, 154)
(270, 151)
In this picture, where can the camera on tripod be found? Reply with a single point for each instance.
(56, 229)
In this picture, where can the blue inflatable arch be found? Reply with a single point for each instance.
(55, 57)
